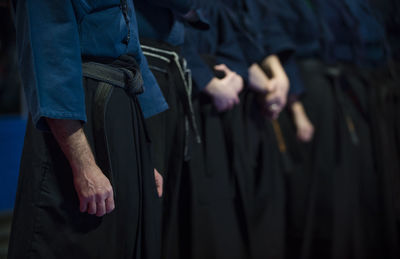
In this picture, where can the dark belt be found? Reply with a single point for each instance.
(122, 77)
(123, 73)
(335, 74)
(169, 55)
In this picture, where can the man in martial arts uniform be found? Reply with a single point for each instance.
(303, 125)
(264, 47)
(369, 55)
(216, 61)
(385, 80)
(317, 162)
(86, 186)
(343, 137)
(358, 42)
(161, 31)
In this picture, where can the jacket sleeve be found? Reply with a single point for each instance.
(201, 72)
(296, 84)
(229, 51)
(180, 6)
(273, 36)
(50, 60)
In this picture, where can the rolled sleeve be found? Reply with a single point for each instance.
(50, 60)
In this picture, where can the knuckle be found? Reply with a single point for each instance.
(99, 196)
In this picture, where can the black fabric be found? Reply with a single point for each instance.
(168, 132)
(357, 221)
(296, 184)
(309, 185)
(218, 219)
(340, 206)
(217, 225)
(381, 93)
(266, 190)
(47, 222)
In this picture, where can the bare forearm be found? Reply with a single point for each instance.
(297, 107)
(73, 142)
(273, 63)
(92, 186)
(258, 80)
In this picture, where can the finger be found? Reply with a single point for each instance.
(270, 86)
(228, 76)
(159, 190)
(271, 98)
(101, 208)
(83, 205)
(221, 67)
(110, 204)
(92, 208)
(231, 104)
(236, 100)
(159, 182)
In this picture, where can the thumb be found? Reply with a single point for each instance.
(222, 67)
(270, 85)
(159, 182)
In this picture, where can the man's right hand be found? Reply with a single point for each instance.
(94, 190)
(92, 186)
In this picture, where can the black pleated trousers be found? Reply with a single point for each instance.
(218, 226)
(265, 181)
(47, 222)
(169, 135)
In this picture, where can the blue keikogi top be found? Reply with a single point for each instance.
(163, 20)
(300, 24)
(261, 33)
(352, 33)
(53, 35)
(219, 41)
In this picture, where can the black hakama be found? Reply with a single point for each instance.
(47, 222)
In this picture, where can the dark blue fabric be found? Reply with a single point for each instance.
(260, 34)
(248, 37)
(293, 73)
(53, 35)
(179, 6)
(300, 23)
(387, 12)
(163, 21)
(220, 41)
(157, 20)
(357, 35)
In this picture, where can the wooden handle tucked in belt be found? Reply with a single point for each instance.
(279, 136)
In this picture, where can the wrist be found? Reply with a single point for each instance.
(79, 168)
